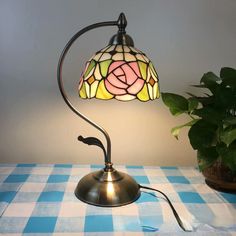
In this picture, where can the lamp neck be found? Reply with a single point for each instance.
(121, 23)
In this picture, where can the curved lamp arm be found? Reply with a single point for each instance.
(121, 23)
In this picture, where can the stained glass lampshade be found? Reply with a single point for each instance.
(121, 72)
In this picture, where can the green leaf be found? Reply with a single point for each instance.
(202, 134)
(221, 148)
(203, 100)
(224, 97)
(209, 114)
(209, 79)
(176, 103)
(228, 136)
(198, 86)
(175, 131)
(206, 157)
(192, 104)
(231, 82)
(230, 121)
(229, 76)
(227, 72)
(229, 156)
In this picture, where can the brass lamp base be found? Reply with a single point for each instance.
(107, 188)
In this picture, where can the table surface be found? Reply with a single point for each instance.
(38, 199)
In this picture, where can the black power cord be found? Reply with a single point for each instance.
(186, 228)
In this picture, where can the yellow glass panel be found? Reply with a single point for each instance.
(104, 67)
(102, 93)
(143, 94)
(143, 69)
(90, 67)
(82, 92)
(158, 91)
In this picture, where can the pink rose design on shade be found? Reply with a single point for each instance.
(124, 79)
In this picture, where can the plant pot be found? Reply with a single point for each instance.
(220, 177)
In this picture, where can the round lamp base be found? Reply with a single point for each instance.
(107, 188)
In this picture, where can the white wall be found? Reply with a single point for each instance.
(184, 38)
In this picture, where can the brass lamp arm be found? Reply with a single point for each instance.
(121, 23)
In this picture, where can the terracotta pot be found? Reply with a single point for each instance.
(220, 177)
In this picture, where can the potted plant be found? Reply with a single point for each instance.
(212, 126)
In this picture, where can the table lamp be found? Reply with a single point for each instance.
(118, 71)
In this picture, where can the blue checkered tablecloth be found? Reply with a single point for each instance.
(38, 199)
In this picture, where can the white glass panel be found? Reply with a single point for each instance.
(119, 48)
(126, 49)
(150, 91)
(111, 48)
(118, 57)
(129, 57)
(126, 97)
(94, 86)
(105, 56)
(96, 57)
(139, 57)
(97, 73)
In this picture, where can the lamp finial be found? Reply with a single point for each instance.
(122, 22)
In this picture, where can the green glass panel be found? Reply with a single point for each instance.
(104, 67)
(143, 94)
(143, 69)
(90, 67)
(82, 92)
